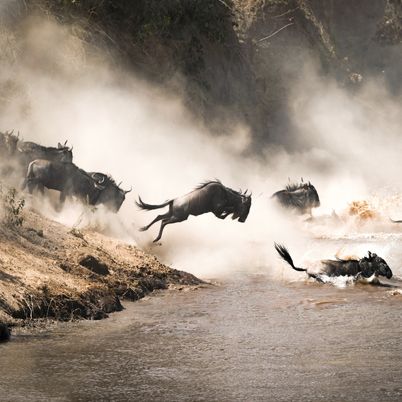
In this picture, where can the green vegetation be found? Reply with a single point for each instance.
(12, 207)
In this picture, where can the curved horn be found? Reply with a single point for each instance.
(100, 181)
(119, 184)
(131, 189)
(65, 143)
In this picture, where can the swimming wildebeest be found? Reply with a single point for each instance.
(211, 196)
(299, 197)
(112, 196)
(364, 268)
(65, 177)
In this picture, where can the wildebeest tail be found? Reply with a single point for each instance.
(141, 204)
(284, 253)
(395, 221)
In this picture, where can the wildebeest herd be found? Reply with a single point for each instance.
(53, 168)
(42, 167)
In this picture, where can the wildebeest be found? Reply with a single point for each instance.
(211, 196)
(8, 144)
(364, 268)
(112, 196)
(65, 177)
(30, 151)
(299, 197)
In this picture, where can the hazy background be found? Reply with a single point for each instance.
(56, 88)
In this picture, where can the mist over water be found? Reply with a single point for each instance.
(347, 144)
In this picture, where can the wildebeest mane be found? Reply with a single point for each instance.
(296, 186)
(217, 181)
(206, 182)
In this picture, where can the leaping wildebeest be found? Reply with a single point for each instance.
(211, 196)
(363, 268)
(300, 197)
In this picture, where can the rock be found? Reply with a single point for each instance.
(94, 265)
(4, 333)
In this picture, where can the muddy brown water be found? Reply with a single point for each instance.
(248, 339)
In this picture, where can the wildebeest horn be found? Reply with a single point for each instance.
(301, 179)
(131, 189)
(119, 184)
(65, 143)
(101, 181)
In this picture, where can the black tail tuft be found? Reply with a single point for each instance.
(284, 253)
(148, 207)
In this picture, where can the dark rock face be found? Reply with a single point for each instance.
(4, 333)
(94, 265)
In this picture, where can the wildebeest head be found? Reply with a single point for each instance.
(112, 196)
(374, 265)
(244, 208)
(66, 153)
(10, 141)
(312, 195)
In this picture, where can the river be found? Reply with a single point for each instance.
(249, 338)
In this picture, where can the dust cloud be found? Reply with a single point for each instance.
(59, 90)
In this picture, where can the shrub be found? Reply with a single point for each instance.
(12, 207)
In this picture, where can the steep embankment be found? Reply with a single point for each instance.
(48, 270)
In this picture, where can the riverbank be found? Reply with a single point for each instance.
(48, 270)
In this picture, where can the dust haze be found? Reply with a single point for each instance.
(55, 88)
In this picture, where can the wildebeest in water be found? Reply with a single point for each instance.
(299, 197)
(211, 196)
(67, 178)
(363, 268)
(112, 196)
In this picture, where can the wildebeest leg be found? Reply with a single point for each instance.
(158, 218)
(165, 222)
(24, 184)
(63, 197)
(41, 188)
(31, 186)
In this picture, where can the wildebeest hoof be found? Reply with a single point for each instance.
(4, 333)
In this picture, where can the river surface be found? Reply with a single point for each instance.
(247, 339)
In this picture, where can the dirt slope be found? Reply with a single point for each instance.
(49, 270)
